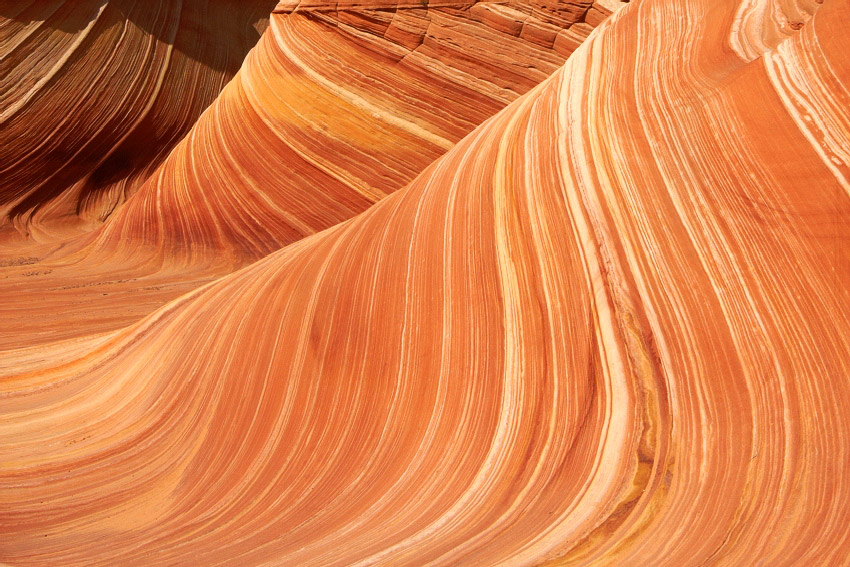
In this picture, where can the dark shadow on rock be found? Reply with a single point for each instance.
(204, 30)
(217, 34)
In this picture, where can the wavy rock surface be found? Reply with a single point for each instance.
(611, 326)
(95, 93)
(338, 106)
(333, 110)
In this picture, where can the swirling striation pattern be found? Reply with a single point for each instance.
(332, 111)
(611, 326)
(95, 93)
(339, 106)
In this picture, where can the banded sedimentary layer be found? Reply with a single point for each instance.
(332, 110)
(95, 93)
(610, 326)
(337, 107)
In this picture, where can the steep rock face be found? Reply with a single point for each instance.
(338, 106)
(609, 327)
(95, 93)
(332, 110)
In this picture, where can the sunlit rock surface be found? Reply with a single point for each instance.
(338, 106)
(328, 115)
(610, 326)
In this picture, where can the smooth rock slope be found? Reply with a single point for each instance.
(327, 115)
(610, 326)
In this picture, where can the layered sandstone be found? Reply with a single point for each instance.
(94, 95)
(334, 109)
(607, 327)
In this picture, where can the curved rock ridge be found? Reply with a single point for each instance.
(761, 25)
(98, 92)
(330, 112)
(95, 93)
(611, 326)
(338, 106)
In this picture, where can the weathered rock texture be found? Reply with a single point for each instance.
(95, 93)
(325, 117)
(611, 326)
(337, 107)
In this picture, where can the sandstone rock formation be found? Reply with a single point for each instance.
(328, 114)
(609, 326)
(339, 105)
(96, 92)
